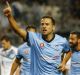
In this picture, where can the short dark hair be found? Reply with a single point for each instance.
(30, 26)
(53, 21)
(5, 37)
(76, 33)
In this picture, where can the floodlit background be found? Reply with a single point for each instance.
(28, 12)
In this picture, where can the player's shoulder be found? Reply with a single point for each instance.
(23, 46)
(14, 49)
(1, 49)
(34, 33)
(60, 38)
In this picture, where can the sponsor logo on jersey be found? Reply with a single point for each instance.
(26, 52)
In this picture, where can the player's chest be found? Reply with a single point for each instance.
(76, 56)
(53, 47)
(6, 61)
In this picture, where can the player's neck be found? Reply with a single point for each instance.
(49, 37)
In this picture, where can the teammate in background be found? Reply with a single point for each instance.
(46, 47)
(23, 53)
(74, 40)
(7, 54)
(74, 44)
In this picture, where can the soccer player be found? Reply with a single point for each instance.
(74, 40)
(7, 54)
(46, 47)
(24, 54)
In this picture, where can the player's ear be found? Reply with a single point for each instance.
(53, 27)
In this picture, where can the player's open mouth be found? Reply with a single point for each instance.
(44, 30)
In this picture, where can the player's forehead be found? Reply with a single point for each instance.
(46, 20)
(73, 35)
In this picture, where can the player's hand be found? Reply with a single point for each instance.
(62, 67)
(7, 11)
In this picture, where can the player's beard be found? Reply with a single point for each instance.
(73, 45)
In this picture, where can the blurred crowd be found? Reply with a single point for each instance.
(28, 12)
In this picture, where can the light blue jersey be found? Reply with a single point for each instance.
(46, 56)
(6, 59)
(75, 63)
(24, 54)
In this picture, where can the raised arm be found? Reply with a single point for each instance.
(8, 13)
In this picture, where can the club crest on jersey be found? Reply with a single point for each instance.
(26, 52)
(41, 45)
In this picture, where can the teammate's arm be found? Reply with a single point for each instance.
(8, 13)
(65, 59)
(16, 63)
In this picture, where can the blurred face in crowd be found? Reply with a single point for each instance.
(47, 26)
(5, 44)
(73, 40)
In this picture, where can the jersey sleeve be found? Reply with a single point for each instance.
(66, 46)
(31, 37)
(15, 49)
(19, 56)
